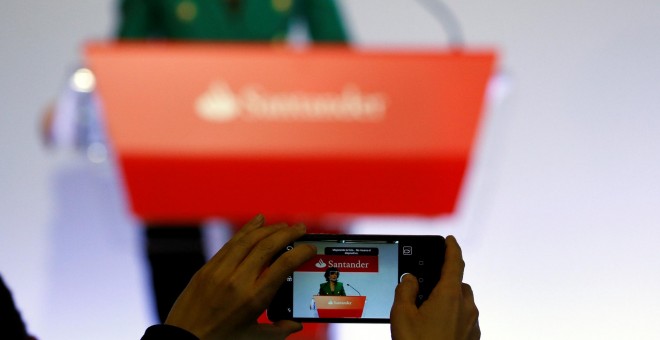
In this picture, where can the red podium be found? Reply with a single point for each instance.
(209, 129)
(340, 306)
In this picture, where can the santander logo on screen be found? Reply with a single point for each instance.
(221, 103)
(320, 263)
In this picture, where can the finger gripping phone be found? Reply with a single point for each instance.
(352, 278)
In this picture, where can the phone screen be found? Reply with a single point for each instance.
(347, 279)
(352, 278)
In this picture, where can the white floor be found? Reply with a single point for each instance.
(558, 220)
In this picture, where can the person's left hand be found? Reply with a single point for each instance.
(226, 296)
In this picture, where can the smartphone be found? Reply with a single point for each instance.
(352, 278)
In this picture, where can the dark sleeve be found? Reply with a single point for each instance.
(167, 332)
(342, 292)
(137, 20)
(11, 324)
(324, 21)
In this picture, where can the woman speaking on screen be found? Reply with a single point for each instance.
(332, 286)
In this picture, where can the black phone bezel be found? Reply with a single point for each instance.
(425, 262)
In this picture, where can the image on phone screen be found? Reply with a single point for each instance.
(347, 280)
(352, 278)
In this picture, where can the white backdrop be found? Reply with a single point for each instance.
(557, 219)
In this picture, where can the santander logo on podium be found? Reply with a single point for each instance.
(220, 103)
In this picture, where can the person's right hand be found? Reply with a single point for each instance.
(448, 314)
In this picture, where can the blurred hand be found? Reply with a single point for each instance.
(448, 314)
(226, 296)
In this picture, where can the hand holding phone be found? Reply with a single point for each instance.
(226, 296)
(448, 313)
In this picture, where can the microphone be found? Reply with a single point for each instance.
(447, 20)
(354, 289)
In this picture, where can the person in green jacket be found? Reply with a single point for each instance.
(332, 286)
(175, 250)
(229, 20)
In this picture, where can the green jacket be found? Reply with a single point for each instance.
(325, 289)
(228, 20)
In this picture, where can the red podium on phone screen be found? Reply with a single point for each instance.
(209, 129)
(339, 306)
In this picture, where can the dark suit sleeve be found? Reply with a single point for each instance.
(11, 324)
(167, 332)
(342, 292)
(324, 21)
